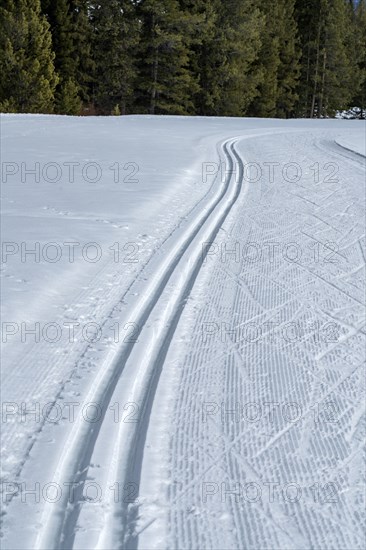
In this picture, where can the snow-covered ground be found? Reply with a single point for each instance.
(183, 335)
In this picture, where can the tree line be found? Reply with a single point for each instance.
(265, 58)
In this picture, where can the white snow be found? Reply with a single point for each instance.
(210, 376)
(354, 141)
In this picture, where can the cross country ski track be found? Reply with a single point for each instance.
(160, 436)
(181, 262)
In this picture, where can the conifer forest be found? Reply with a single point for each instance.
(260, 58)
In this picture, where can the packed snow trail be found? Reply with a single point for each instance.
(243, 369)
(76, 455)
(267, 435)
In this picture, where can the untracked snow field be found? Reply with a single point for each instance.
(183, 333)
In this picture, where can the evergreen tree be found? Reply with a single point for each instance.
(208, 57)
(278, 61)
(116, 36)
(198, 56)
(338, 67)
(224, 59)
(288, 72)
(264, 104)
(165, 83)
(28, 77)
(82, 35)
(240, 26)
(68, 100)
(358, 49)
(328, 67)
(60, 18)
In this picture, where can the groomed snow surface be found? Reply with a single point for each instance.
(183, 335)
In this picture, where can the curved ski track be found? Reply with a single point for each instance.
(180, 265)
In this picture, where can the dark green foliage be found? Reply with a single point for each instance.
(60, 17)
(28, 77)
(68, 100)
(82, 34)
(278, 61)
(329, 68)
(224, 60)
(165, 84)
(116, 36)
(358, 46)
(267, 58)
(288, 72)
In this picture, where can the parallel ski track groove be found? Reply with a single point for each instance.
(41, 347)
(128, 538)
(60, 518)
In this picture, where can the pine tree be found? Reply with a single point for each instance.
(116, 36)
(82, 35)
(288, 72)
(358, 48)
(28, 77)
(71, 36)
(328, 67)
(224, 58)
(67, 92)
(306, 15)
(165, 83)
(278, 61)
(202, 65)
(68, 100)
(240, 25)
(264, 105)
(337, 67)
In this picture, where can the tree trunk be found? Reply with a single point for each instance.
(316, 73)
(155, 79)
(322, 93)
